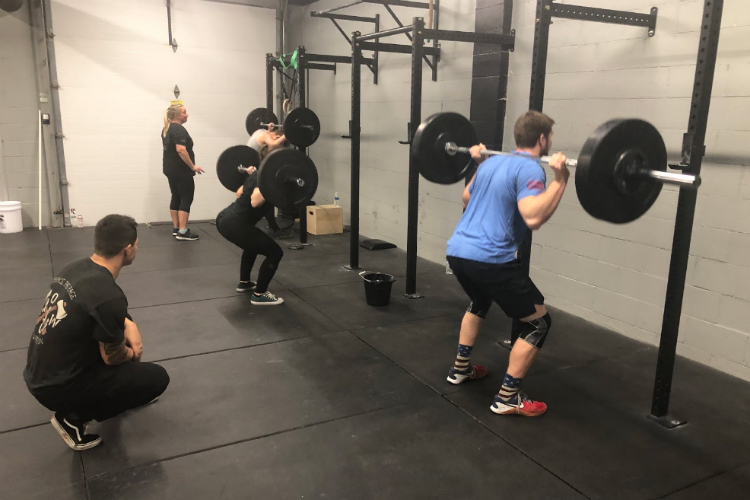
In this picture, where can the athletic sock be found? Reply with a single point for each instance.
(509, 390)
(463, 359)
(183, 231)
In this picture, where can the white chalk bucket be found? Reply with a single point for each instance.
(10, 217)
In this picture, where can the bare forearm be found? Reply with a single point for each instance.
(256, 199)
(117, 354)
(556, 189)
(186, 158)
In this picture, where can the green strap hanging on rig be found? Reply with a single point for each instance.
(292, 61)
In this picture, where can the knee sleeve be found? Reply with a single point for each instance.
(479, 309)
(535, 331)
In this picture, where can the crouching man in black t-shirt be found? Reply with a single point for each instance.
(83, 359)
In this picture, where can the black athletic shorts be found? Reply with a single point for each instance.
(506, 284)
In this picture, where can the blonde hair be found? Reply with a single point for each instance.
(169, 115)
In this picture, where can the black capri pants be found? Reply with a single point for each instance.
(183, 189)
(253, 242)
(101, 392)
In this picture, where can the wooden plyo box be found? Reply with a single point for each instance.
(325, 219)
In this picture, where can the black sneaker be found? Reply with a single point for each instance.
(186, 236)
(175, 231)
(245, 287)
(74, 433)
(265, 299)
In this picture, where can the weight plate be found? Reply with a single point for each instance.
(302, 127)
(10, 5)
(226, 166)
(606, 191)
(428, 147)
(258, 116)
(278, 176)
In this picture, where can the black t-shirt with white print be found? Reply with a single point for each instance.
(172, 163)
(83, 307)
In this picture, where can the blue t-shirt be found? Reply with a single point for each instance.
(491, 229)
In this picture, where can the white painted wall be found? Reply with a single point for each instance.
(117, 73)
(385, 113)
(616, 275)
(19, 137)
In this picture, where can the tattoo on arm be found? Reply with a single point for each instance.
(116, 353)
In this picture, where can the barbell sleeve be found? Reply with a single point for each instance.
(569, 162)
(275, 125)
(682, 180)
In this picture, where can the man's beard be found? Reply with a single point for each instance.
(544, 150)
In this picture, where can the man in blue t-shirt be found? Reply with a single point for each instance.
(506, 198)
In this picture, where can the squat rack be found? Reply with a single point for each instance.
(330, 14)
(418, 34)
(693, 150)
(305, 62)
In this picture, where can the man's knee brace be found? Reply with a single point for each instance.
(535, 331)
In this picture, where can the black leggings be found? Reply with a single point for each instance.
(253, 242)
(101, 392)
(183, 190)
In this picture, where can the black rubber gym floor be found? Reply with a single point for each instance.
(327, 397)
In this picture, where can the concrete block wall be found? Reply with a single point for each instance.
(19, 136)
(385, 114)
(117, 73)
(490, 74)
(616, 275)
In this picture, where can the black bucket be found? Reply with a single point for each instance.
(377, 288)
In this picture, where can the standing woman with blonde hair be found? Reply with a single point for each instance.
(179, 167)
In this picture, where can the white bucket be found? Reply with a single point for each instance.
(10, 217)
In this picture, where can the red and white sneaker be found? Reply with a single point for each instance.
(520, 405)
(456, 377)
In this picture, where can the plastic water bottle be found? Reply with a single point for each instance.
(79, 220)
(448, 269)
(336, 199)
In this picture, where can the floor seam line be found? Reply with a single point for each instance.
(23, 428)
(13, 349)
(318, 310)
(705, 479)
(238, 348)
(254, 438)
(445, 396)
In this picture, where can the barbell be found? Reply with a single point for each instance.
(287, 178)
(301, 127)
(619, 173)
